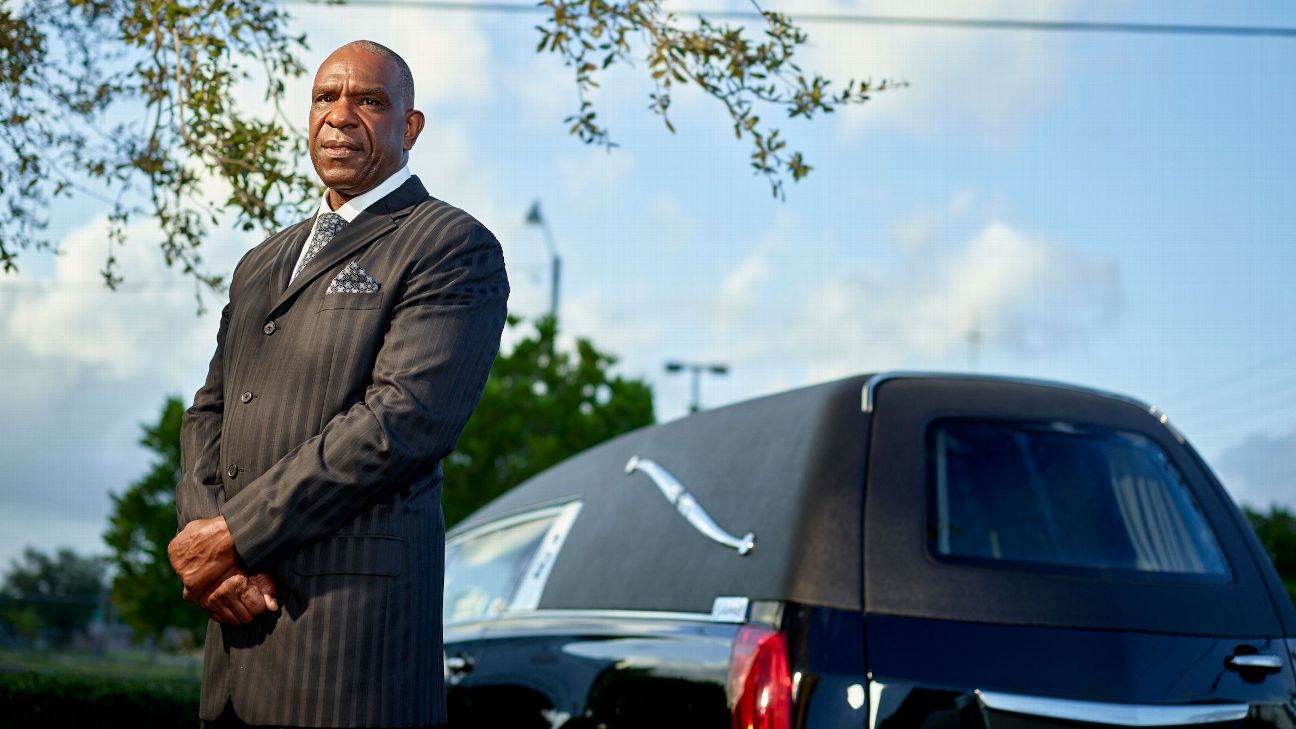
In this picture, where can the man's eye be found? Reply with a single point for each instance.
(325, 98)
(369, 100)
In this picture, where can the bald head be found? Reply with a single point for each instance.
(362, 120)
(405, 79)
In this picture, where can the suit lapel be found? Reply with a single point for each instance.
(373, 223)
(284, 262)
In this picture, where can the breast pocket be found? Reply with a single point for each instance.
(352, 301)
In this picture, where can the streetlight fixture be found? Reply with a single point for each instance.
(696, 369)
(534, 217)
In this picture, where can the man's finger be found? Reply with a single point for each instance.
(269, 593)
(252, 600)
(227, 603)
(187, 595)
(219, 613)
(236, 606)
(230, 594)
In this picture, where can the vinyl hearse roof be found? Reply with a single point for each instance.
(789, 467)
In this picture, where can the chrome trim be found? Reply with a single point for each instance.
(687, 506)
(509, 518)
(1101, 712)
(455, 535)
(727, 609)
(1258, 660)
(593, 614)
(868, 397)
(875, 689)
(527, 594)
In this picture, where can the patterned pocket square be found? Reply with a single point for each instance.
(353, 280)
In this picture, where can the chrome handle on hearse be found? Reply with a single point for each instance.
(1265, 662)
(688, 506)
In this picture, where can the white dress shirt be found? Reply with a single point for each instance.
(353, 207)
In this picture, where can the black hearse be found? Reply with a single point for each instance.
(894, 550)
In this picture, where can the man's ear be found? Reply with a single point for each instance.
(413, 127)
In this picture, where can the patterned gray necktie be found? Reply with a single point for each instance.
(326, 226)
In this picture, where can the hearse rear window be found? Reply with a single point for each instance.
(1065, 497)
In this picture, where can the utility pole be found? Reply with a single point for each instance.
(534, 217)
(696, 369)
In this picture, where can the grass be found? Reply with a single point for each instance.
(121, 665)
(115, 690)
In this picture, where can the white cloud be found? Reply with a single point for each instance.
(544, 92)
(75, 320)
(779, 311)
(925, 226)
(594, 174)
(676, 224)
(1261, 470)
(986, 82)
(741, 291)
(613, 327)
(1022, 293)
(448, 53)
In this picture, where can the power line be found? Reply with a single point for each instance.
(1064, 26)
(1233, 379)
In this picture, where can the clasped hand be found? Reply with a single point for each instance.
(203, 556)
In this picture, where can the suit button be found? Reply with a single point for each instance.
(232, 472)
(269, 328)
(246, 397)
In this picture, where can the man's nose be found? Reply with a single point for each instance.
(341, 114)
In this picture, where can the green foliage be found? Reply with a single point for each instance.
(23, 618)
(591, 35)
(134, 102)
(1277, 532)
(56, 593)
(540, 405)
(142, 523)
(139, 103)
(59, 700)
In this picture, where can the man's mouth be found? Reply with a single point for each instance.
(339, 150)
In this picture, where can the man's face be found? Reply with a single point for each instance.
(361, 126)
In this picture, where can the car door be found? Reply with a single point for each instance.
(509, 664)
(1043, 556)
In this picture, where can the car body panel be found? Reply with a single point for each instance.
(637, 612)
(618, 671)
(786, 467)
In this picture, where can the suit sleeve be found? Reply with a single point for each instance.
(428, 376)
(200, 440)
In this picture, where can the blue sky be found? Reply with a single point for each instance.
(1111, 210)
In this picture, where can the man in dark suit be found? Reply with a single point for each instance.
(352, 351)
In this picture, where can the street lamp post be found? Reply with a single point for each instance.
(534, 217)
(696, 369)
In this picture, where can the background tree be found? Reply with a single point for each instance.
(142, 523)
(133, 102)
(58, 593)
(1277, 532)
(541, 405)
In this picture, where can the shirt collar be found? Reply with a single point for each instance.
(356, 205)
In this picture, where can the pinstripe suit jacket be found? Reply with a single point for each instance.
(318, 435)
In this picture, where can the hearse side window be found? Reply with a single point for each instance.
(1066, 497)
(503, 565)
